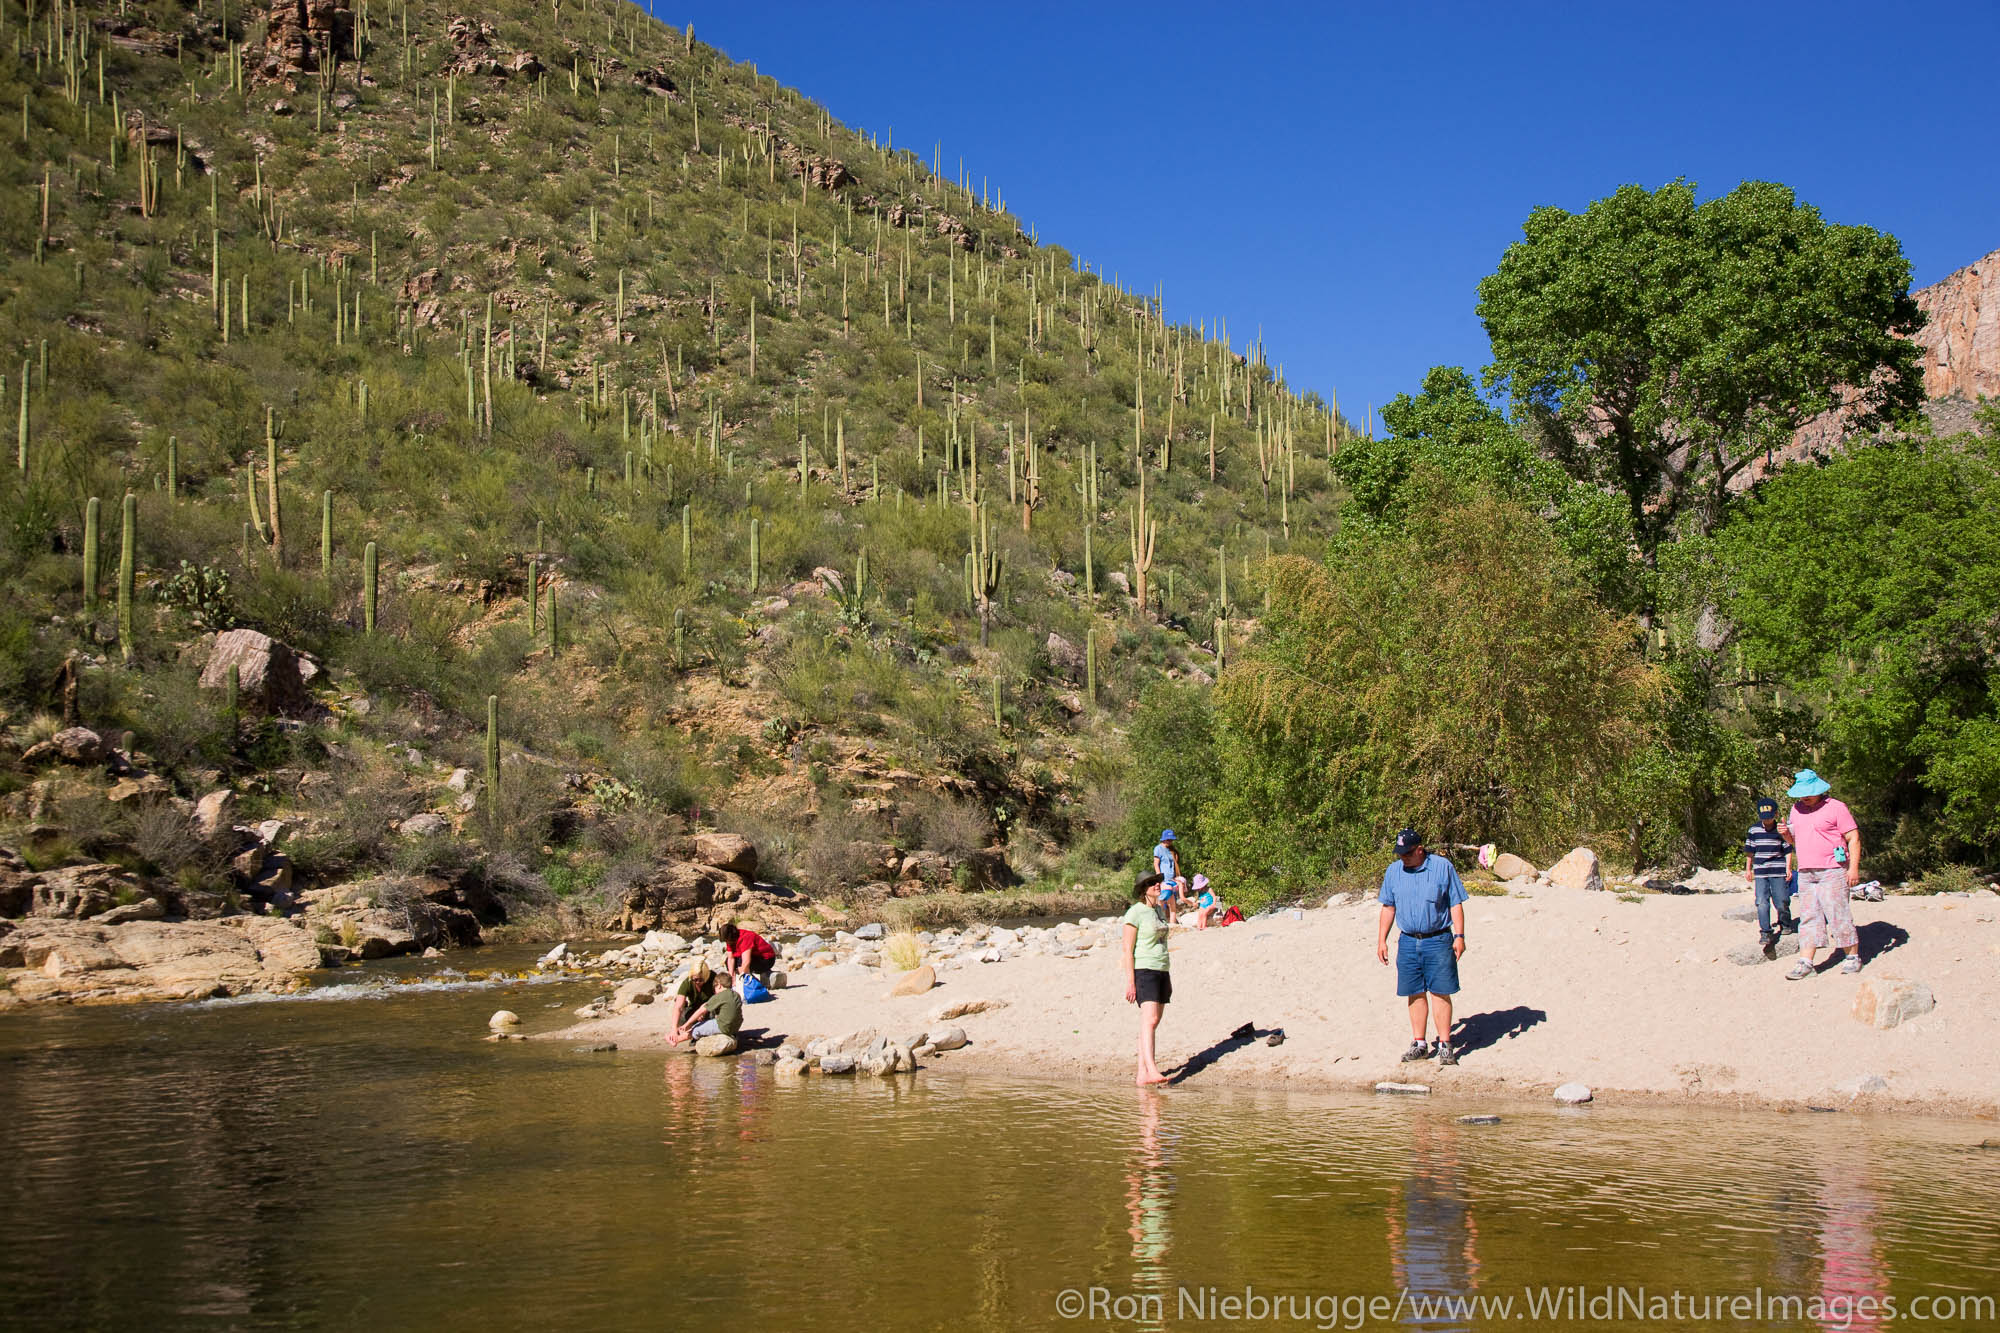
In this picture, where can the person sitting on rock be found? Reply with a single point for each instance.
(750, 954)
(721, 1014)
(693, 992)
(1205, 903)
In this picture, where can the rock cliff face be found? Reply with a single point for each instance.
(1962, 340)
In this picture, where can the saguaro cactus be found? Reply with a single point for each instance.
(127, 555)
(173, 469)
(326, 536)
(755, 528)
(1145, 534)
(1090, 666)
(370, 569)
(91, 514)
(493, 756)
(985, 564)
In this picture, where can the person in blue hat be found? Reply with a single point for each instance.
(1422, 896)
(1767, 864)
(1828, 845)
(1167, 865)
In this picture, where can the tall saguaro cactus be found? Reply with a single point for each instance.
(986, 565)
(370, 573)
(92, 513)
(1145, 534)
(127, 556)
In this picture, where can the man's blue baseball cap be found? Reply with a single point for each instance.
(1408, 841)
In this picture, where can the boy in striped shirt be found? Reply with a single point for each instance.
(1767, 864)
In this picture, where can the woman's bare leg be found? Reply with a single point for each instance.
(1149, 1022)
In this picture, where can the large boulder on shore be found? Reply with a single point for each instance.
(1578, 870)
(271, 678)
(1887, 1002)
(71, 745)
(731, 852)
(75, 892)
(153, 960)
(1509, 866)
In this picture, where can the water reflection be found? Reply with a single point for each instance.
(1433, 1236)
(1854, 1284)
(1149, 1189)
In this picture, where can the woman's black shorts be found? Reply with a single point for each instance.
(1152, 986)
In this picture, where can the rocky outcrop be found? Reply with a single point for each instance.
(1962, 340)
(727, 851)
(297, 32)
(88, 961)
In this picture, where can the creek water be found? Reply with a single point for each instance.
(359, 1158)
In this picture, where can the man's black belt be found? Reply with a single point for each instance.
(1427, 934)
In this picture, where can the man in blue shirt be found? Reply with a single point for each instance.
(1167, 865)
(1423, 897)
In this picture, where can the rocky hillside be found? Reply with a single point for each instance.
(489, 450)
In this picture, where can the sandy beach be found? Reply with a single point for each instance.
(1636, 999)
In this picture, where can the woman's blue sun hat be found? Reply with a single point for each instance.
(1808, 783)
(1166, 835)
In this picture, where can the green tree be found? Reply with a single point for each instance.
(1456, 673)
(1173, 765)
(1660, 345)
(1871, 586)
(1451, 430)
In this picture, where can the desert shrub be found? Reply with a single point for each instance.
(948, 825)
(841, 851)
(1952, 879)
(903, 951)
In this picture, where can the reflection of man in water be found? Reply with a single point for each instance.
(1149, 1186)
(1432, 1234)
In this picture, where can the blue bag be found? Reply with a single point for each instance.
(755, 991)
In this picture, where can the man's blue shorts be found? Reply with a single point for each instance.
(1426, 965)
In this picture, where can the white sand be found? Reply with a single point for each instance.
(1631, 998)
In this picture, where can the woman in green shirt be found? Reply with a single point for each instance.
(1147, 983)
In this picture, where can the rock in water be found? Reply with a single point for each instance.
(945, 1039)
(719, 1044)
(553, 956)
(502, 1019)
(876, 1063)
(1479, 1120)
(1578, 870)
(836, 1062)
(791, 1068)
(917, 981)
(1509, 866)
(1404, 1089)
(1573, 1094)
(1885, 1002)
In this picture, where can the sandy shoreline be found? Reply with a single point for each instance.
(1635, 999)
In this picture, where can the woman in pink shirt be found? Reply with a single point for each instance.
(1829, 851)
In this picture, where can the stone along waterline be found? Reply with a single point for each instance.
(330, 1164)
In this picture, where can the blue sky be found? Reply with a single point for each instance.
(1343, 175)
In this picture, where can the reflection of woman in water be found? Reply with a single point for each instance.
(1149, 1185)
(1433, 1237)
(1851, 1258)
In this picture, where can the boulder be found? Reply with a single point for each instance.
(1885, 1002)
(876, 1063)
(945, 1038)
(871, 931)
(790, 1068)
(1063, 655)
(215, 814)
(915, 981)
(554, 957)
(1404, 1089)
(424, 824)
(836, 1062)
(1509, 866)
(631, 994)
(717, 1045)
(159, 960)
(503, 1018)
(928, 868)
(75, 892)
(151, 787)
(71, 745)
(663, 942)
(964, 1008)
(727, 851)
(270, 676)
(460, 780)
(1578, 870)
(146, 909)
(1573, 1094)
